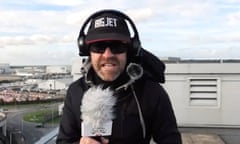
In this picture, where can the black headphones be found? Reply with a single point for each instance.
(135, 41)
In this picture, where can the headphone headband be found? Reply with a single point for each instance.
(83, 47)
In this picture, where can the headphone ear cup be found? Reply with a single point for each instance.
(83, 48)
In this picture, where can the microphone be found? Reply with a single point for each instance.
(97, 112)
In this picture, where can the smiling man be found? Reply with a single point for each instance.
(138, 107)
(108, 59)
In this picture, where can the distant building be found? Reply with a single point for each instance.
(57, 69)
(33, 81)
(29, 70)
(5, 69)
(77, 67)
(55, 84)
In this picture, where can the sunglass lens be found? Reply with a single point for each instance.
(115, 47)
(97, 48)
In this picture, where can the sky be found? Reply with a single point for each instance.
(44, 32)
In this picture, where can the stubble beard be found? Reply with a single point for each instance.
(108, 75)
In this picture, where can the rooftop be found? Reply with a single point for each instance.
(179, 60)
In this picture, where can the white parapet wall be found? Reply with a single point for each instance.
(3, 122)
(204, 94)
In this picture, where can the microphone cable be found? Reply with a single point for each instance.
(139, 112)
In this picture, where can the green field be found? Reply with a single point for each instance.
(42, 116)
(44, 113)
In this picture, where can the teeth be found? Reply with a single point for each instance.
(108, 65)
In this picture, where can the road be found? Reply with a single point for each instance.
(29, 131)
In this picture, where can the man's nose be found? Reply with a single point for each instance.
(108, 52)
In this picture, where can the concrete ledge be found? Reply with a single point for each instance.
(197, 138)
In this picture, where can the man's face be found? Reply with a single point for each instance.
(108, 59)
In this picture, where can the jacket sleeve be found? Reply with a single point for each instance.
(164, 125)
(68, 128)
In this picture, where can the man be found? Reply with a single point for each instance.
(142, 110)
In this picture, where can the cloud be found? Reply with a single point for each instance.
(192, 10)
(233, 19)
(39, 54)
(49, 29)
(34, 27)
(232, 1)
(218, 38)
(6, 41)
(58, 2)
(77, 18)
(140, 14)
(32, 21)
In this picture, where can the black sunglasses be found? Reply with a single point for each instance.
(116, 47)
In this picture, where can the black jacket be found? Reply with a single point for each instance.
(155, 105)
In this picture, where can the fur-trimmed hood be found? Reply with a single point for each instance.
(152, 66)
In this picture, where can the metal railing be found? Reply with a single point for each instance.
(50, 138)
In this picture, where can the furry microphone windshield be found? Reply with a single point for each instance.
(97, 111)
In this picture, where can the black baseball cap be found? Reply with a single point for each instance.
(108, 27)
